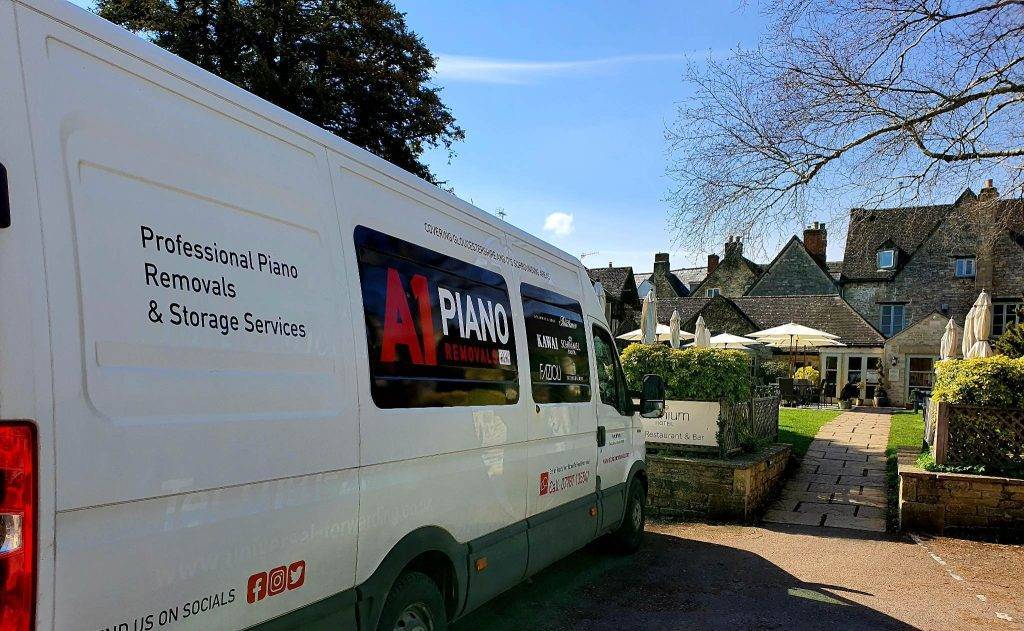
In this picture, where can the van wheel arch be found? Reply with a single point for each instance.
(429, 550)
(639, 471)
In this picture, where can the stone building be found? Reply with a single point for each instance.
(731, 276)
(623, 301)
(903, 264)
(799, 269)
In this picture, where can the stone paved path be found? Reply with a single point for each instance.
(841, 480)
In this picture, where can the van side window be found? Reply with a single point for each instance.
(557, 343)
(438, 330)
(609, 376)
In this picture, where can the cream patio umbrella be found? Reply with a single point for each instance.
(947, 347)
(982, 325)
(649, 318)
(968, 342)
(602, 297)
(728, 340)
(701, 335)
(663, 334)
(793, 336)
(673, 326)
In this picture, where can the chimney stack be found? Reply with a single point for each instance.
(989, 191)
(712, 263)
(661, 264)
(734, 245)
(816, 241)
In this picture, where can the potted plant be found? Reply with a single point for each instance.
(847, 396)
(881, 397)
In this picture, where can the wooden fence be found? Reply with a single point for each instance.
(968, 435)
(756, 420)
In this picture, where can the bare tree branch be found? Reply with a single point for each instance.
(871, 101)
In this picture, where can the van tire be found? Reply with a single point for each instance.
(629, 536)
(414, 603)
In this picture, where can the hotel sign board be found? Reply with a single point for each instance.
(685, 423)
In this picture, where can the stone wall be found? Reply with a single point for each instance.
(735, 489)
(794, 273)
(943, 502)
(920, 339)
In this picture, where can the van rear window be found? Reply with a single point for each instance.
(557, 342)
(438, 330)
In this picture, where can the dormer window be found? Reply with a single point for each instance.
(711, 292)
(886, 259)
(965, 267)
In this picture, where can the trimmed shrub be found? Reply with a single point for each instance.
(1011, 343)
(810, 373)
(692, 374)
(986, 381)
(773, 369)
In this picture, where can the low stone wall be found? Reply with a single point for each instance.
(943, 502)
(733, 489)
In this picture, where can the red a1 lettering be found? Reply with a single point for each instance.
(399, 327)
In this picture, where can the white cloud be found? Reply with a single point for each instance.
(491, 70)
(559, 224)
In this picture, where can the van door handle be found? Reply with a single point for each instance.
(602, 437)
(5, 199)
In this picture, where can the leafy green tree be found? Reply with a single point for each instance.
(352, 67)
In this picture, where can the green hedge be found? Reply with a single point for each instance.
(692, 374)
(988, 381)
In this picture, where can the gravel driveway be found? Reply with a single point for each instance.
(700, 576)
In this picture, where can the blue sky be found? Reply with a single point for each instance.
(565, 107)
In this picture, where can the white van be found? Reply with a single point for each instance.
(254, 376)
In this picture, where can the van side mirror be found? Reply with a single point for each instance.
(652, 397)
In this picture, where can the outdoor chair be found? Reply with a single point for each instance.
(786, 390)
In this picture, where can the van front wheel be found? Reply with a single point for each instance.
(630, 534)
(414, 604)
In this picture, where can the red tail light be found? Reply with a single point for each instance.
(17, 526)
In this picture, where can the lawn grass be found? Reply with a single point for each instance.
(799, 426)
(906, 430)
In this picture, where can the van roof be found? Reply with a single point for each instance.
(72, 15)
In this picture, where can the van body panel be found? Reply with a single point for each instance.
(186, 561)
(145, 406)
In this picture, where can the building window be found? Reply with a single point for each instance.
(831, 376)
(891, 319)
(886, 259)
(965, 267)
(920, 375)
(1005, 315)
(711, 292)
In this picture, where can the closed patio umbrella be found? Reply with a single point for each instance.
(649, 318)
(701, 335)
(982, 324)
(947, 347)
(602, 297)
(968, 342)
(673, 326)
